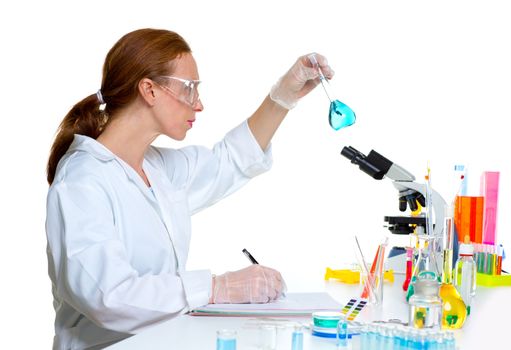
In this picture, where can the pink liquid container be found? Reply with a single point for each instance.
(490, 191)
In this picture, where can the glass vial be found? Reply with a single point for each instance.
(297, 338)
(268, 337)
(342, 334)
(226, 339)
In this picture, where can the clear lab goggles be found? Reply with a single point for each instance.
(184, 90)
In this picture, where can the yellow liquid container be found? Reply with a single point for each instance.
(454, 311)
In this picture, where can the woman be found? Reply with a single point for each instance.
(118, 209)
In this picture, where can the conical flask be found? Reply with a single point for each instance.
(426, 260)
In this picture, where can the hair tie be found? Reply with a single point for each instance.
(99, 95)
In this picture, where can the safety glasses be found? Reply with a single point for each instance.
(184, 90)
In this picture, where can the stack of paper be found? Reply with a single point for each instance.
(294, 304)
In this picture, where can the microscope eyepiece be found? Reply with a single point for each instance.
(374, 165)
(352, 154)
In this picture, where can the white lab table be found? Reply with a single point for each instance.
(486, 328)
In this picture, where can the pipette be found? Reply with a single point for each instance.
(340, 115)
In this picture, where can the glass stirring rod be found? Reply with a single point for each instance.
(322, 78)
(340, 115)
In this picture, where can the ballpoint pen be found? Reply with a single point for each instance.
(254, 261)
(250, 257)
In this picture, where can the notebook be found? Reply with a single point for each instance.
(294, 304)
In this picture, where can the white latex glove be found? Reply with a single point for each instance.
(299, 80)
(253, 284)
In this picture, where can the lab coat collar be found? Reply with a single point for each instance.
(91, 146)
(97, 150)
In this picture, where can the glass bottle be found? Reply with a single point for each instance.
(425, 303)
(465, 273)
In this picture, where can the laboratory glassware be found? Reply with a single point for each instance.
(465, 273)
(268, 337)
(339, 115)
(425, 303)
(342, 334)
(426, 260)
(409, 267)
(226, 339)
(297, 338)
(448, 245)
(454, 310)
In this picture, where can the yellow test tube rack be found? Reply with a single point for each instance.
(486, 280)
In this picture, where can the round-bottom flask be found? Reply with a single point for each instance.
(454, 310)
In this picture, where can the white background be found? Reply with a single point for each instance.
(429, 81)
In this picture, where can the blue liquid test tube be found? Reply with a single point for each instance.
(297, 338)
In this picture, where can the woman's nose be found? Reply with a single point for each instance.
(199, 107)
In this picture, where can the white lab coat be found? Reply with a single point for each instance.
(117, 251)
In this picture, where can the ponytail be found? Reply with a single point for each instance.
(85, 118)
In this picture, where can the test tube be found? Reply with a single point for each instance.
(409, 267)
(226, 339)
(297, 338)
(499, 259)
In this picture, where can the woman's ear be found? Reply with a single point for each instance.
(146, 90)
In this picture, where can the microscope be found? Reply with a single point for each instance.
(409, 194)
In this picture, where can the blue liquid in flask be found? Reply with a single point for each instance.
(340, 115)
